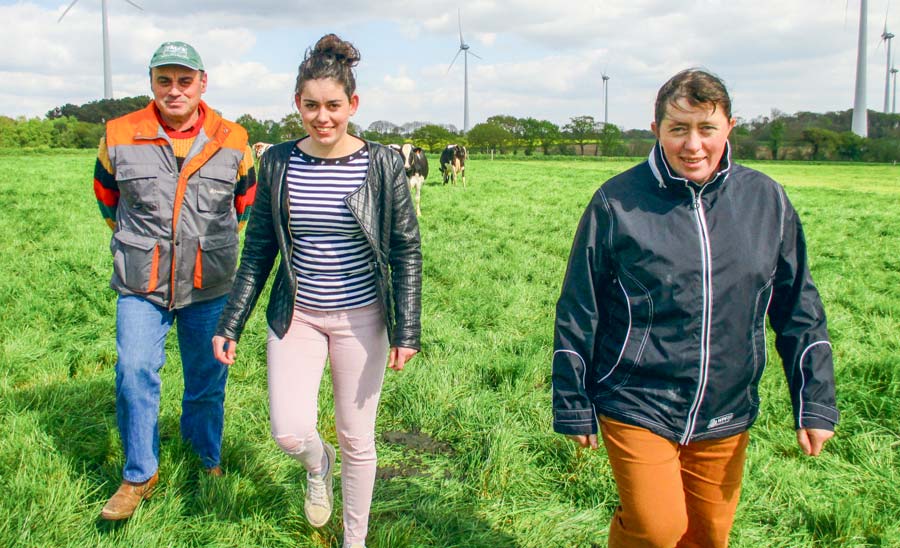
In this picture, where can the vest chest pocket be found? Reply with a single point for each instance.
(136, 260)
(138, 185)
(216, 259)
(215, 192)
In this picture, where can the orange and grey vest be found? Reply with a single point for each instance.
(176, 233)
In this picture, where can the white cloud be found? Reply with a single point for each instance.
(539, 59)
(400, 83)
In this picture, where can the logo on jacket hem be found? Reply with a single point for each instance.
(719, 421)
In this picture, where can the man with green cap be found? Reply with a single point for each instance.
(175, 182)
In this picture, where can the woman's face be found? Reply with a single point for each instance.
(326, 111)
(693, 139)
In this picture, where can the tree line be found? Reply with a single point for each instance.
(777, 136)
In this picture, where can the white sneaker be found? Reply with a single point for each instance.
(320, 491)
(355, 545)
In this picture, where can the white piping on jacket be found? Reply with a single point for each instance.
(803, 380)
(627, 335)
(583, 365)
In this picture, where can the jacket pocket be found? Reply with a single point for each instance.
(216, 188)
(139, 186)
(216, 259)
(136, 261)
(634, 320)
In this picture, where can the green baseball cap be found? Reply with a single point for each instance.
(176, 53)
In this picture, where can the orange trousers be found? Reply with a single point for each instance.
(672, 495)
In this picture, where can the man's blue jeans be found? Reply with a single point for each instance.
(141, 329)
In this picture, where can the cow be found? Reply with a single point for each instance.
(260, 148)
(453, 163)
(416, 166)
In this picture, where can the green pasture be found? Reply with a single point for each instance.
(467, 457)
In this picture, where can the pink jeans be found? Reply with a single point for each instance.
(355, 342)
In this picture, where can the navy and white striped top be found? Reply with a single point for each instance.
(331, 256)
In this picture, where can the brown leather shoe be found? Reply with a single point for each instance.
(122, 504)
(215, 471)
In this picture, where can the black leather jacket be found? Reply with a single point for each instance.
(661, 322)
(383, 207)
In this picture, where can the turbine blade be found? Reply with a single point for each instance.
(470, 52)
(66, 11)
(459, 19)
(455, 57)
(135, 5)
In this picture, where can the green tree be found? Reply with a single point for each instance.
(610, 140)
(100, 111)
(851, 146)
(7, 132)
(265, 131)
(33, 132)
(548, 133)
(531, 133)
(513, 127)
(776, 136)
(823, 141)
(292, 127)
(433, 136)
(581, 130)
(486, 136)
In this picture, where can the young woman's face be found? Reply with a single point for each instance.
(326, 111)
(693, 139)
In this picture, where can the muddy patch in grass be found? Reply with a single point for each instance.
(412, 466)
(418, 441)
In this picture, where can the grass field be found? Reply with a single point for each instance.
(466, 454)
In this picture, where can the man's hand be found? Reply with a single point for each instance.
(224, 349)
(399, 356)
(812, 440)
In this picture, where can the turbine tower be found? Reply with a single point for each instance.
(464, 49)
(605, 97)
(107, 70)
(860, 122)
(886, 37)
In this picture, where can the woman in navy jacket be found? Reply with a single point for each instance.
(660, 326)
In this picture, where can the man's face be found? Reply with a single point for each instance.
(176, 92)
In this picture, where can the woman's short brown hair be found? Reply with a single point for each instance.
(698, 87)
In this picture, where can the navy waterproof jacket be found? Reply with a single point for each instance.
(661, 318)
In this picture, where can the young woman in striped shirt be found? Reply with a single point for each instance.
(338, 211)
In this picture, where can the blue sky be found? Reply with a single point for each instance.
(537, 59)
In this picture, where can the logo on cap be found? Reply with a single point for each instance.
(176, 53)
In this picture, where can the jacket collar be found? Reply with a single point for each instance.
(666, 177)
(150, 127)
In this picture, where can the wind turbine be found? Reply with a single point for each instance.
(894, 106)
(464, 49)
(860, 123)
(886, 37)
(605, 97)
(107, 70)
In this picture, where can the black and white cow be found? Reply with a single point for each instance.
(259, 148)
(416, 166)
(453, 163)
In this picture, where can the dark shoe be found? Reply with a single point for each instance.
(215, 471)
(122, 504)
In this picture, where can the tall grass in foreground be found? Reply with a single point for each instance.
(466, 455)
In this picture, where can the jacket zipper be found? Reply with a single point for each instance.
(705, 259)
